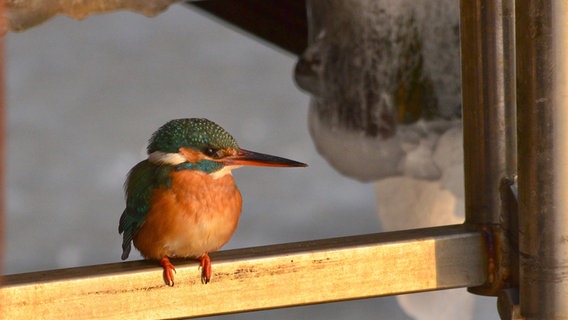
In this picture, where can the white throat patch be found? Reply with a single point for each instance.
(223, 172)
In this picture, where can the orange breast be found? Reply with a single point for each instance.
(196, 214)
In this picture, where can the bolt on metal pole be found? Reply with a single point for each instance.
(542, 102)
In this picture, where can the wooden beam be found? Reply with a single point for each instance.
(281, 23)
(255, 278)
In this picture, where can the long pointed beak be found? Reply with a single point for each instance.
(251, 158)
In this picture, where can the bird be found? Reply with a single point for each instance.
(182, 201)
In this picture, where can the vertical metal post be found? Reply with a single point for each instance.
(488, 95)
(488, 104)
(488, 91)
(542, 99)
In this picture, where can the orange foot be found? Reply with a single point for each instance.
(169, 271)
(205, 263)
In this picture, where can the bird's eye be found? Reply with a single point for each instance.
(211, 152)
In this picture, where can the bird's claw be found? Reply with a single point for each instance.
(169, 271)
(205, 265)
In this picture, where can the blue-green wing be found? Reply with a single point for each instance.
(141, 180)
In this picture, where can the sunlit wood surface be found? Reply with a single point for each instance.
(255, 278)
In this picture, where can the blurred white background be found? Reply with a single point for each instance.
(84, 97)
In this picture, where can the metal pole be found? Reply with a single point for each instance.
(488, 94)
(542, 99)
(488, 90)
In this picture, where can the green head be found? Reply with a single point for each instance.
(195, 133)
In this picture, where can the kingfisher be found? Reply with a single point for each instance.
(182, 200)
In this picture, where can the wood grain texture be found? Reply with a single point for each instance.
(255, 278)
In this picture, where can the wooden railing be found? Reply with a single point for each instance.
(255, 278)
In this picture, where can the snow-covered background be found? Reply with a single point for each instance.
(84, 97)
